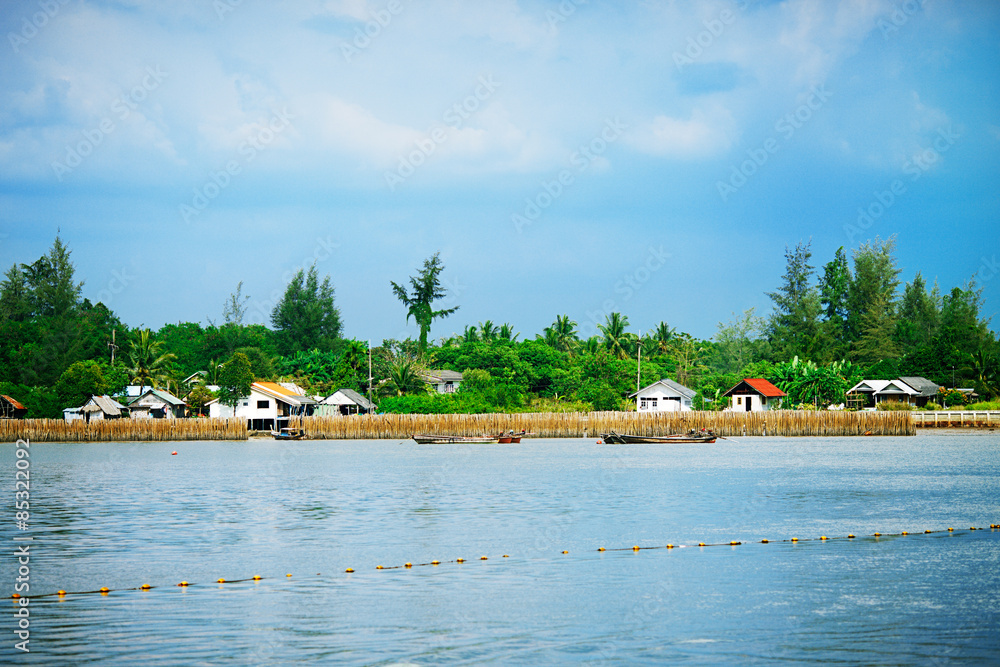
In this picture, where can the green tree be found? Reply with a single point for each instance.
(426, 286)
(562, 334)
(79, 382)
(616, 340)
(148, 363)
(794, 326)
(235, 308)
(305, 316)
(919, 314)
(737, 341)
(405, 377)
(235, 380)
(198, 398)
(877, 342)
(876, 278)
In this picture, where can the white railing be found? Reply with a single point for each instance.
(952, 418)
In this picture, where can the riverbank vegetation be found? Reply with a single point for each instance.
(850, 320)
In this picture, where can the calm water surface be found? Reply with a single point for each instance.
(122, 515)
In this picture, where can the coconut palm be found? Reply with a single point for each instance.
(148, 364)
(488, 331)
(405, 377)
(616, 340)
(562, 334)
(506, 333)
(664, 336)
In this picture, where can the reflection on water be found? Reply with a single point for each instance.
(120, 515)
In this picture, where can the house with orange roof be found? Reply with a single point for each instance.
(754, 395)
(269, 406)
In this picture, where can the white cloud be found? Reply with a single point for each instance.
(704, 134)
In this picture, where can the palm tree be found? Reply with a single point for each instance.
(147, 363)
(470, 335)
(616, 340)
(404, 377)
(506, 333)
(664, 335)
(562, 334)
(487, 331)
(426, 288)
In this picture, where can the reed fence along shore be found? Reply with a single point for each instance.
(537, 424)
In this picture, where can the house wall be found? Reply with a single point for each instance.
(757, 403)
(666, 400)
(447, 387)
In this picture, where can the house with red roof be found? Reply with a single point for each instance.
(754, 395)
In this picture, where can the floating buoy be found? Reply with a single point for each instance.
(350, 569)
(701, 544)
(601, 549)
(483, 558)
(822, 537)
(850, 536)
(795, 539)
(764, 541)
(599, 442)
(144, 587)
(105, 589)
(951, 530)
(174, 453)
(904, 533)
(972, 527)
(565, 552)
(379, 567)
(635, 548)
(670, 546)
(184, 583)
(460, 560)
(926, 531)
(435, 562)
(288, 575)
(733, 543)
(220, 580)
(505, 556)
(877, 534)
(61, 593)
(15, 596)
(407, 564)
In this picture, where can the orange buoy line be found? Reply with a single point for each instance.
(104, 590)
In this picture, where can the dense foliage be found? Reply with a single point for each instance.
(829, 329)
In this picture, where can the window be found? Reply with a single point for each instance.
(647, 403)
(263, 405)
(739, 400)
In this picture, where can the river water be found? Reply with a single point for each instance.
(121, 515)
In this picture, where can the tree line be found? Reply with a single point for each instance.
(828, 329)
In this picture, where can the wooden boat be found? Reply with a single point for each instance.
(692, 436)
(289, 434)
(454, 439)
(511, 437)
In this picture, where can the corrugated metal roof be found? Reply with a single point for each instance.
(923, 386)
(667, 382)
(443, 376)
(761, 386)
(106, 404)
(358, 399)
(13, 402)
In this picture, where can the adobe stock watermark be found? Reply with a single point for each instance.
(915, 168)
(581, 159)
(259, 139)
(899, 16)
(627, 286)
(698, 44)
(454, 118)
(562, 13)
(121, 108)
(785, 128)
(381, 18)
(30, 27)
(223, 7)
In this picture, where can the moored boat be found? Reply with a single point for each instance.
(692, 436)
(289, 434)
(454, 439)
(511, 437)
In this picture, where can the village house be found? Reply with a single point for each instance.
(268, 407)
(754, 395)
(345, 402)
(663, 396)
(913, 390)
(444, 382)
(157, 404)
(97, 408)
(11, 409)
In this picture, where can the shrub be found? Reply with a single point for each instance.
(894, 405)
(932, 406)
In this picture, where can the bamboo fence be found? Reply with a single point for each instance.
(538, 424)
(121, 430)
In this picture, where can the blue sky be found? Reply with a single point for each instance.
(653, 158)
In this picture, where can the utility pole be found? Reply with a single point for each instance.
(369, 372)
(113, 346)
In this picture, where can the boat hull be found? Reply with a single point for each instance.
(677, 439)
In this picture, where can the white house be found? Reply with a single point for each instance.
(444, 382)
(913, 390)
(754, 395)
(663, 396)
(345, 402)
(157, 404)
(268, 407)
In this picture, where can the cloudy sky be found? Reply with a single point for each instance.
(653, 158)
